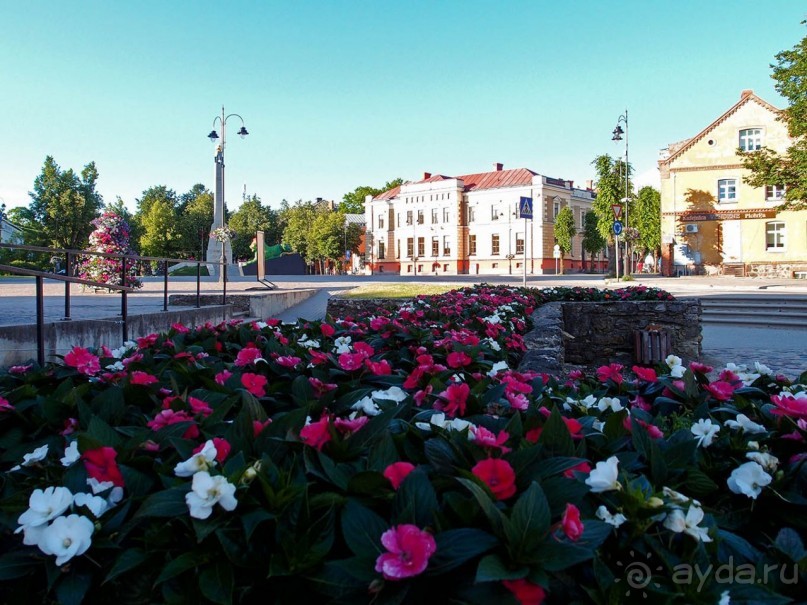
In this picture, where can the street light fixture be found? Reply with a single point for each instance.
(617, 136)
(221, 251)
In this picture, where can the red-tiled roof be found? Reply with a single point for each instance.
(478, 181)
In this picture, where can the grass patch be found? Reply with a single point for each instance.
(397, 290)
(188, 271)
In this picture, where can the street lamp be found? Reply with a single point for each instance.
(617, 136)
(221, 251)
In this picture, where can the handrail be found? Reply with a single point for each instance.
(57, 277)
(105, 254)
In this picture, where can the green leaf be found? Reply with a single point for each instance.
(555, 437)
(494, 515)
(369, 483)
(184, 562)
(441, 455)
(699, 483)
(216, 582)
(362, 529)
(415, 500)
(789, 543)
(167, 503)
(252, 519)
(336, 580)
(102, 432)
(456, 546)
(17, 564)
(529, 522)
(492, 568)
(72, 588)
(128, 560)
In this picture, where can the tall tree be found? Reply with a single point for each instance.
(353, 202)
(593, 241)
(167, 199)
(64, 205)
(194, 217)
(296, 233)
(790, 168)
(564, 232)
(646, 217)
(160, 233)
(610, 188)
(250, 218)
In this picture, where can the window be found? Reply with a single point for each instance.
(471, 214)
(519, 243)
(420, 217)
(775, 236)
(380, 222)
(555, 208)
(727, 190)
(494, 244)
(446, 246)
(445, 215)
(434, 216)
(381, 251)
(435, 246)
(408, 217)
(410, 247)
(494, 213)
(421, 246)
(471, 244)
(398, 254)
(399, 219)
(751, 139)
(774, 192)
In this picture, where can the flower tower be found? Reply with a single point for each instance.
(111, 235)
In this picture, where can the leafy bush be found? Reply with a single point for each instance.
(391, 459)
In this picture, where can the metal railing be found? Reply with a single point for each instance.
(70, 258)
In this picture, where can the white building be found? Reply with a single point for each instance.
(471, 224)
(9, 232)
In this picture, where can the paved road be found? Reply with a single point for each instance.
(720, 343)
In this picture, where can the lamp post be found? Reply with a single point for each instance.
(221, 251)
(617, 136)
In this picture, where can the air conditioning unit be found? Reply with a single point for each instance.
(691, 228)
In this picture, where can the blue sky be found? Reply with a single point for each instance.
(345, 93)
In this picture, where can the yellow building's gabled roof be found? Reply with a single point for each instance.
(745, 97)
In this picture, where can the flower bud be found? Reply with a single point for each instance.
(655, 502)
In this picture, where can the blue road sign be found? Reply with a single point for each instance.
(525, 208)
(617, 227)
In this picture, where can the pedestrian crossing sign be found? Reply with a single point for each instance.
(525, 207)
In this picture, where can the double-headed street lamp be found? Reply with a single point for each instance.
(617, 136)
(219, 248)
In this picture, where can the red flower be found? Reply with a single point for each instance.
(5, 406)
(646, 374)
(397, 472)
(458, 359)
(456, 396)
(498, 475)
(364, 349)
(525, 591)
(351, 361)
(409, 551)
(787, 405)
(583, 467)
(85, 362)
(378, 368)
(652, 430)
(198, 406)
(254, 383)
(327, 330)
(317, 434)
(347, 426)
(610, 372)
(142, 378)
(288, 361)
(722, 391)
(222, 446)
(486, 438)
(318, 358)
(258, 426)
(248, 355)
(169, 417)
(320, 388)
(100, 464)
(571, 523)
(699, 368)
(222, 377)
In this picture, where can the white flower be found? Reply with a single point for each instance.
(615, 520)
(677, 522)
(71, 454)
(598, 425)
(677, 371)
(705, 431)
(32, 458)
(121, 351)
(44, 506)
(677, 497)
(116, 367)
(604, 476)
(67, 537)
(609, 402)
(439, 420)
(493, 344)
(99, 486)
(762, 369)
(341, 345)
(96, 504)
(753, 445)
(492, 319)
(396, 394)
(745, 424)
(748, 479)
(309, 343)
(765, 460)
(672, 361)
(204, 460)
(725, 598)
(366, 405)
(206, 491)
(589, 401)
(499, 366)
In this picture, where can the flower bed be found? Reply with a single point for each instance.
(395, 458)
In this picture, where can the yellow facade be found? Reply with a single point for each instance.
(712, 221)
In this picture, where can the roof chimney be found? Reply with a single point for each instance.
(427, 175)
(498, 167)
(746, 93)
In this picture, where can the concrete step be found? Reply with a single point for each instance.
(757, 322)
(789, 312)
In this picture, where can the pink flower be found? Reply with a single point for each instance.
(320, 388)
(222, 446)
(348, 426)
(19, 369)
(248, 355)
(222, 377)
(288, 361)
(142, 378)
(583, 467)
(722, 391)
(317, 434)
(351, 361)
(498, 475)
(5, 406)
(577, 375)
(486, 438)
(525, 591)
(420, 396)
(453, 400)
(610, 372)
(699, 368)
(409, 551)
(254, 383)
(787, 405)
(646, 374)
(198, 406)
(364, 349)
(168, 417)
(178, 327)
(85, 362)
(397, 472)
(458, 359)
(100, 464)
(258, 426)
(378, 368)
(571, 523)
(327, 330)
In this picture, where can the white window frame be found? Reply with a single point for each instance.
(774, 193)
(750, 139)
(727, 189)
(775, 234)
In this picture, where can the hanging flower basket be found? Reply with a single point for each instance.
(222, 234)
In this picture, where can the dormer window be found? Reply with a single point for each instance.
(751, 139)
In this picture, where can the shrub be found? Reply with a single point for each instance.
(393, 458)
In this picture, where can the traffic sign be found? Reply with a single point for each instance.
(556, 251)
(617, 211)
(525, 207)
(617, 227)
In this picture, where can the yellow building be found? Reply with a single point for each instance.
(711, 220)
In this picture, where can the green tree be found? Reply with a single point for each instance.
(298, 219)
(250, 218)
(194, 218)
(353, 202)
(64, 204)
(564, 232)
(610, 188)
(160, 234)
(327, 236)
(645, 215)
(167, 198)
(790, 168)
(593, 241)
